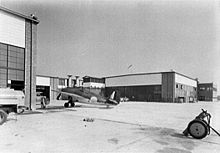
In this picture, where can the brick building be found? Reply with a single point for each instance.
(18, 50)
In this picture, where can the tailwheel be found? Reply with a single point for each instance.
(198, 129)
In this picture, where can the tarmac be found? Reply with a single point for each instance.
(129, 127)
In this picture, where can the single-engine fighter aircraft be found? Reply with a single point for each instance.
(81, 95)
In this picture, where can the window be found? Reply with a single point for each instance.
(202, 88)
(62, 82)
(3, 76)
(11, 64)
(177, 86)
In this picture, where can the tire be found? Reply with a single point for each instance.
(66, 105)
(72, 104)
(198, 129)
(3, 116)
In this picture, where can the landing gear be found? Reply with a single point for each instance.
(70, 102)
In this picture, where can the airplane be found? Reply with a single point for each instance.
(82, 95)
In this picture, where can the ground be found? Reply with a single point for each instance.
(128, 127)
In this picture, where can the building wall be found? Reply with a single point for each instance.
(185, 89)
(134, 80)
(136, 87)
(54, 82)
(168, 82)
(30, 64)
(185, 80)
(137, 93)
(185, 93)
(12, 29)
(207, 92)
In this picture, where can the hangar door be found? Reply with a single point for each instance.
(43, 86)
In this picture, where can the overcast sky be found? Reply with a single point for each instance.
(105, 38)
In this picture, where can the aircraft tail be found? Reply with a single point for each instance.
(112, 99)
(113, 95)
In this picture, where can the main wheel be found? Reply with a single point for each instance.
(72, 104)
(198, 129)
(3, 117)
(66, 105)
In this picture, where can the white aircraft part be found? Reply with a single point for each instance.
(184, 80)
(12, 29)
(93, 99)
(42, 81)
(112, 95)
(134, 80)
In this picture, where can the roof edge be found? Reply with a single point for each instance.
(135, 74)
(19, 14)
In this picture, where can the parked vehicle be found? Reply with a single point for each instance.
(10, 101)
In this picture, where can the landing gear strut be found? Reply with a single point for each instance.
(70, 102)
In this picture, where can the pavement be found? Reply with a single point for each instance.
(129, 127)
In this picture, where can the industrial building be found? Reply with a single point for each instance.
(18, 50)
(207, 92)
(159, 87)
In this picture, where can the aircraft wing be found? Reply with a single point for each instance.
(82, 99)
(78, 97)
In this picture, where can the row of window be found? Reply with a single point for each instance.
(11, 64)
(6, 47)
(95, 80)
(207, 89)
(180, 86)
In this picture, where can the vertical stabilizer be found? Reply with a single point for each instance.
(112, 96)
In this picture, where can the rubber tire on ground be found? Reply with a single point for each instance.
(72, 104)
(3, 116)
(198, 129)
(66, 105)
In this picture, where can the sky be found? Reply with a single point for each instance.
(114, 37)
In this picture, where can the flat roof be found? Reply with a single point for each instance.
(19, 14)
(149, 74)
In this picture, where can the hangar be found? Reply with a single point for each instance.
(159, 87)
(18, 50)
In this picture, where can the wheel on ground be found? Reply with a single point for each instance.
(66, 104)
(72, 104)
(3, 116)
(198, 129)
